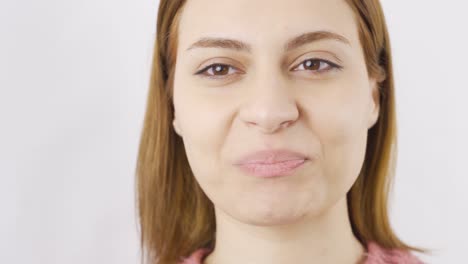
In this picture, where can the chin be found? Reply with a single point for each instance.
(274, 220)
(263, 215)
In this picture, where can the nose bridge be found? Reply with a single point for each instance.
(271, 103)
(270, 89)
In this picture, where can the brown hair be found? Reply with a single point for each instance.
(175, 215)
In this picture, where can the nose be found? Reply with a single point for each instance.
(271, 104)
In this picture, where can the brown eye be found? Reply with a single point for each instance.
(312, 65)
(220, 69)
(318, 65)
(217, 69)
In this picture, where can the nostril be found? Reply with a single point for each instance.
(285, 124)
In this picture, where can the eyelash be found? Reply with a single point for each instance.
(332, 66)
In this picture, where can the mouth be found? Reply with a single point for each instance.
(269, 163)
(272, 169)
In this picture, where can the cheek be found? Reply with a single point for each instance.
(338, 121)
(204, 123)
(201, 111)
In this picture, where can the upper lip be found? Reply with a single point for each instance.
(271, 156)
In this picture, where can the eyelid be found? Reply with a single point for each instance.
(206, 68)
(217, 61)
(332, 66)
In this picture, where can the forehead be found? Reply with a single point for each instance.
(264, 23)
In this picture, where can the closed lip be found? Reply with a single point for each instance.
(271, 156)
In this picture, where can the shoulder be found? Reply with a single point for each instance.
(376, 254)
(196, 257)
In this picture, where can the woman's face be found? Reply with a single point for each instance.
(312, 96)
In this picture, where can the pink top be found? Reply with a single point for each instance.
(375, 255)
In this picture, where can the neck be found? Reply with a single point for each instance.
(327, 238)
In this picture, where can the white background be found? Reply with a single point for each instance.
(73, 84)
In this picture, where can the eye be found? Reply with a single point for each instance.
(220, 71)
(317, 65)
(216, 69)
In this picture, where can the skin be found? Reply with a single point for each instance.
(265, 99)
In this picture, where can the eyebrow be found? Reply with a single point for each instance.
(305, 38)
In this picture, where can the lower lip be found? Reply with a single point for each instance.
(277, 169)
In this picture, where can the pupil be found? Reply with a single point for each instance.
(311, 64)
(220, 69)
